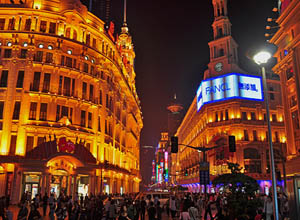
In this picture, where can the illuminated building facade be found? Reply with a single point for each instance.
(64, 77)
(162, 160)
(288, 57)
(228, 103)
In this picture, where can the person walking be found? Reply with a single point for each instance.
(45, 203)
(184, 214)
(151, 211)
(159, 211)
(208, 204)
(193, 212)
(23, 212)
(173, 207)
(268, 208)
(112, 210)
(34, 214)
(143, 208)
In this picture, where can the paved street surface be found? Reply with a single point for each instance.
(15, 210)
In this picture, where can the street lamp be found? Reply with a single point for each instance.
(261, 58)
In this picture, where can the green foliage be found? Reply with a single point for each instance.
(240, 191)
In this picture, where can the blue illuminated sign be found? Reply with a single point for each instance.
(230, 86)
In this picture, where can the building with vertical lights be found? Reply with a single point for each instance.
(70, 117)
(288, 57)
(230, 101)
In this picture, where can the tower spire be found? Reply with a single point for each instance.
(124, 28)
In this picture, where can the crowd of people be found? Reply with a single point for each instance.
(183, 206)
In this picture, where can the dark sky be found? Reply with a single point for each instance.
(171, 44)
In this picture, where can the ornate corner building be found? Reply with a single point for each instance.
(70, 117)
(229, 101)
(287, 38)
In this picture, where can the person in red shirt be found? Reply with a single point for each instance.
(258, 215)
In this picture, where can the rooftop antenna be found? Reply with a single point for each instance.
(90, 6)
(125, 28)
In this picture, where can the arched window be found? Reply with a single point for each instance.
(68, 32)
(251, 153)
(221, 52)
(74, 35)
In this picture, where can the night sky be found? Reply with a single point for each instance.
(171, 44)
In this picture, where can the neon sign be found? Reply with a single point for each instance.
(166, 166)
(229, 86)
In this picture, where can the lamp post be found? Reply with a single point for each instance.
(261, 59)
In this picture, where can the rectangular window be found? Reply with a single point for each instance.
(89, 120)
(67, 86)
(62, 60)
(100, 97)
(11, 24)
(32, 112)
(74, 63)
(73, 87)
(265, 117)
(1, 109)
(92, 70)
(85, 67)
(29, 143)
(46, 84)
(246, 136)
(3, 80)
(295, 119)
(60, 85)
(16, 114)
(88, 39)
(57, 112)
(84, 88)
(43, 26)
(38, 56)
(107, 101)
(20, 79)
(71, 115)
(91, 92)
(82, 119)
(2, 23)
(52, 28)
(69, 62)
(23, 54)
(88, 146)
(36, 81)
(27, 24)
(94, 43)
(49, 57)
(276, 137)
(43, 112)
(244, 115)
(226, 115)
(40, 140)
(64, 111)
(13, 142)
(99, 124)
(106, 127)
(253, 117)
(254, 135)
(7, 53)
(274, 118)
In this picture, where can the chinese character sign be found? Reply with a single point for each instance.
(233, 85)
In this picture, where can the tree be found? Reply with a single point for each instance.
(240, 191)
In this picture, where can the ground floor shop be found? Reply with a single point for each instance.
(46, 170)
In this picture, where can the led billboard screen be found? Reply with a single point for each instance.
(229, 86)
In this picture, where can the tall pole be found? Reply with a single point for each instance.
(274, 185)
(90, 5)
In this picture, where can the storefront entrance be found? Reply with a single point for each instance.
(59, 182)
(31, 184)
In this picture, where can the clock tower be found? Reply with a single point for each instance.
(223, 48)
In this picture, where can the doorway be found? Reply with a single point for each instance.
(59, 182)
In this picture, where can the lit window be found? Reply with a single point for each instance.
(86, 57)
(69, 52)
(41, 45)
(9, 43)
(25, 44)
(50, 47)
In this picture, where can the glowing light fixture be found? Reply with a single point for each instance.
(9, 43)
(262, 57)
(69, 52)
(93, 61)
(41, 46)
(50, 47)
(25, 44)
(86, 57)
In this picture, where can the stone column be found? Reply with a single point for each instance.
(69, 190)
(48, 179)
(43, 185)
(74, 185)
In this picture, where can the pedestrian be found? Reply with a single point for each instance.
(45, 203)
(184, 214)
(173, 207)
(131, 211)
(200, 206)
(34, 214)
(112, 210)
(151, 211)
(268, 208)
(2, 207)
(159, 211)
(23, 212)
(208, 204)
(193, 212)
(143, 208)
(9, 214)
(106, 207)
(258, 215)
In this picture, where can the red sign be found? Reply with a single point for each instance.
(65, 146)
